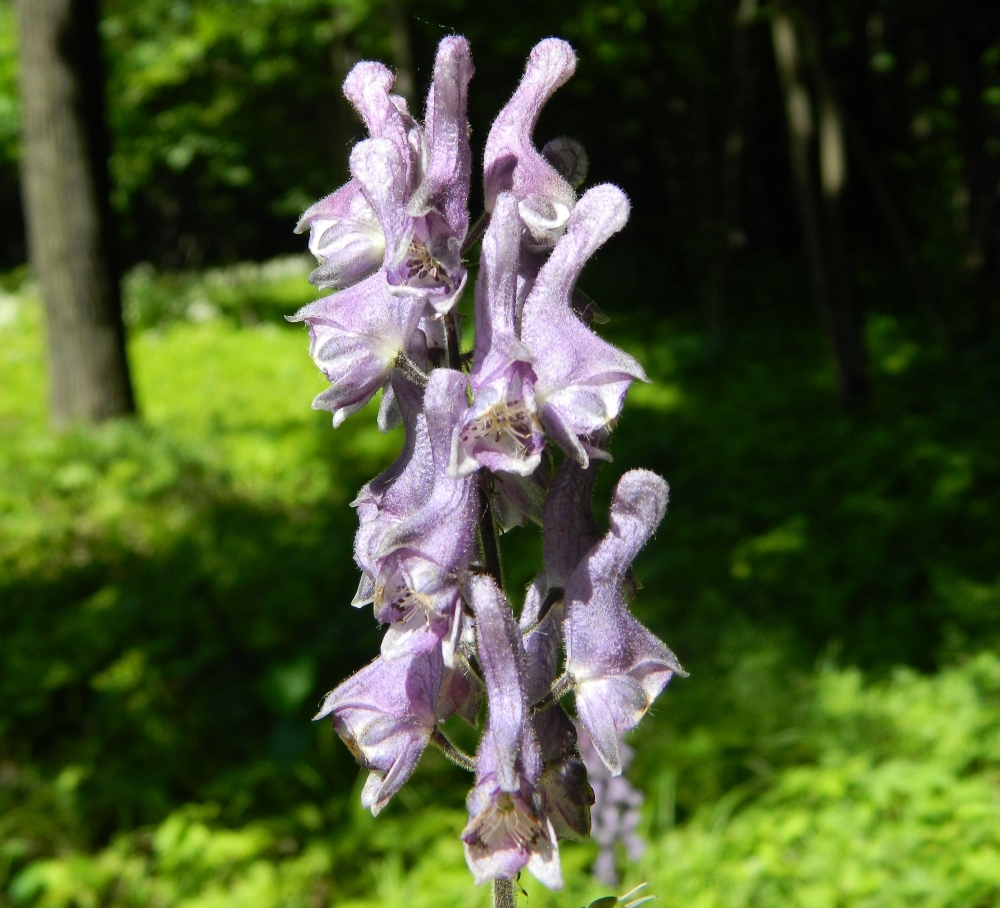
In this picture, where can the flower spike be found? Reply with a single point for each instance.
(480, 429)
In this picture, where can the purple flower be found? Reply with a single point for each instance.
(475, 450)
(501, 430)
(617, 665)
(569, 527)
(581, 379)
(407, 201)
(417, 539)
(386, 714)
(356, 338)
(346, 238)
(507, 829)
(545, 197)
(389, 497)
(344, 231)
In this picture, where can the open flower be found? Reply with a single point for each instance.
(356, 338)
(508, 829)
(500, 430)
(386, 714)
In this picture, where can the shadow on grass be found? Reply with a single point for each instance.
(167, 625)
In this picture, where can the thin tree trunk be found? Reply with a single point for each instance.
(71, 241)
(845, 314)
(825, 254)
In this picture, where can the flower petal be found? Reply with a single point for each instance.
(445, 186)
(511, 159)
(356, 336)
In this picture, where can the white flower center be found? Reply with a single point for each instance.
(504, 822)
(507, 426)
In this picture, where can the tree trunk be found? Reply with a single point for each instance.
(64, 178)
(819, 212)
(845, 315)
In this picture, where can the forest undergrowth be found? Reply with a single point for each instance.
(174, 601)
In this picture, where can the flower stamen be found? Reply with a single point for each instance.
(507, 427)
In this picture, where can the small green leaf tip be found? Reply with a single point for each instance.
(614, 901)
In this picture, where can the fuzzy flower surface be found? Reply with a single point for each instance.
(499, 429)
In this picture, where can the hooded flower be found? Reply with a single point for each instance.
(406, 206)
(569, 528)
(389, 243)
(386, 714)
(418, 541)
(507, 829)
(545, 197)
(500, 431)
(617, 665)
(356, 338)
(344, 230)
(581, 379)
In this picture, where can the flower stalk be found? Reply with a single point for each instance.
(512, 433)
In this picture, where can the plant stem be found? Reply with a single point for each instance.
(478, 229)
(452, 342)
(560, 687)
(489, 545)
(450, 751)
(503, 894)
(411, 370)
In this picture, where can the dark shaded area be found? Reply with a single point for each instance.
(227, 121)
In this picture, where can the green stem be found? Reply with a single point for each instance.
(478, 229)
(560, 687)
(450, 751)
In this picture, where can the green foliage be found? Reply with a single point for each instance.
(901, 806)
(898, 806)
(174, 602)
(247, 293)
(9, 108)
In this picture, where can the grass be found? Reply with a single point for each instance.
(174, 601)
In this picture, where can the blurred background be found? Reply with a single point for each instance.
(810, 278)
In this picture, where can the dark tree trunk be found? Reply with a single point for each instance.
(71, 243)
(819, 206)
